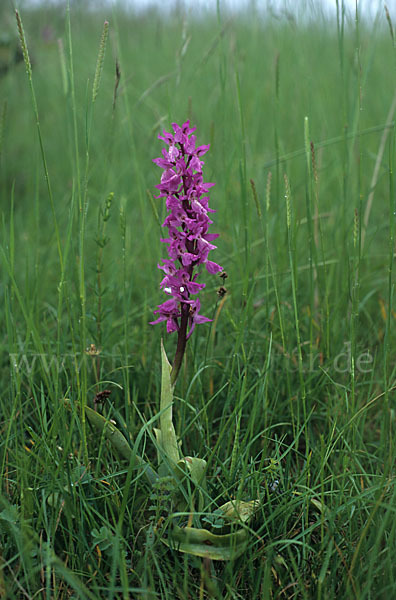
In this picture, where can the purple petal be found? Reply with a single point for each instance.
(187, 258)
(159, 320)
(213, 267)
(202, 149)
(170, 181)
(163, 163)
(198, 319)
(171, 325)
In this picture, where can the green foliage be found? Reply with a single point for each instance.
(288, 395)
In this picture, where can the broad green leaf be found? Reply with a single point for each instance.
(316, 503)
(195, 467)
(319, 505)
(201, 542)
(168, 434)
(10, 514)
(117, 440)
(158, 437)
(239, 510)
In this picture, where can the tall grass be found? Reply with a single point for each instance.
(289, 393)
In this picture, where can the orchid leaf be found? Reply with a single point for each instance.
(201, 542)
(117, 440)
(319, 505)
(217, 546)
(195, 467)
(167, 437)
(158, 437)
(316, 503)
(237, 510)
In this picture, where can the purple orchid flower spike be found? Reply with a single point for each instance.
(188, 241)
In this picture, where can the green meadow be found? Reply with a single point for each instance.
(289, 392)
